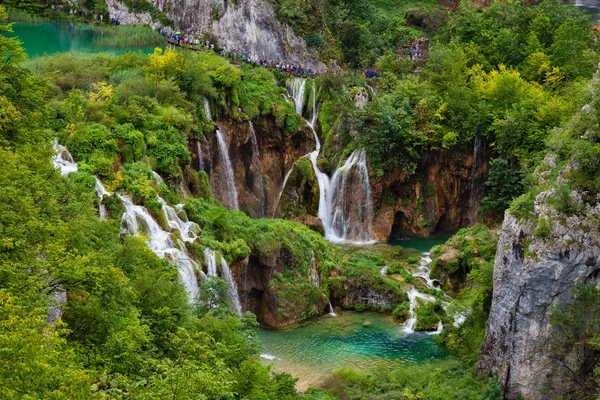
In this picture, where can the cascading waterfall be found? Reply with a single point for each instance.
(413, 295)
(230, 197)
(423, 270)
(159, 179)
(63, 160)
(233, 289)
(257, 182)
(210, 258)
(206, 108)
(295, 88)
(285, 179)
(136, 218)
(101, 191)
(331, 312)
(346, 214)
(200, 160)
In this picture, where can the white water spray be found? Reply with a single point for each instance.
(101, 192)
(234, 296)
(63, 160)
(295, 88)
(200, 160)
(257, 179)
(136, 218)
(210, 258)
(346, 214)
(230, 195)
(207, 108)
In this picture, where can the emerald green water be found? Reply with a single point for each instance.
(41, 38)
(358, 340)
(419, 243)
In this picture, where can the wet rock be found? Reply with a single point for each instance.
(312, 222)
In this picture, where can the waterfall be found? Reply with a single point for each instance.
(233, 289)
(331, 312)
(285, 179)
(439, 329)
(413, 295)
(230, 197)
(295, 88)
(476, 183)
(383, 271)
(210, 258)
(159, 179)
(206, 108)
(257, 181)
(423, 271)
(346, 214)
(200, 160)
(136, 218)
(101, 191)
(63, 160)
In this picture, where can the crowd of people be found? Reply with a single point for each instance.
(183, 40)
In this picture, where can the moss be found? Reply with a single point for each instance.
(429, 314)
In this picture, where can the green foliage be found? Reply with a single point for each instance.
(469, 272)
(573, 344)
(447, 379)
(503, 185)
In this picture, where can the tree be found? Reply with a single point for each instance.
(573, 344)
(504, 184)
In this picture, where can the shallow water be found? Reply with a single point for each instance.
(590, 7)
(359, 340)
(421, 244)
(41, 38)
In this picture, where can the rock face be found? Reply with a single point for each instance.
(443, 194)
(278, 152)
(245, 27)
(531, 273)
(120, 11)
(271, 302)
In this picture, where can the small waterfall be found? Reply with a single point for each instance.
(257, 181)
(233, 289)
(477, 184)
(63, 160)
(439, 329)
(346, 215)
(285, 179)
(200, 160)
(383, 271)
(187, 229)
(413, 295)
(423, 271)
(230, 197)
(210, 258)
(331, 312)
(159, 179)
(206, 108)
(295, 88)
(101, 191)
(137, 217)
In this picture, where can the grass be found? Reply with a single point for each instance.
(127, 36)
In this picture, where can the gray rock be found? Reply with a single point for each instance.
(249, 27)
(531, 274)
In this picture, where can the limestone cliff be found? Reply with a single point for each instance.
(245, 27)
(539, 261)
(444, 194)
(258, 186)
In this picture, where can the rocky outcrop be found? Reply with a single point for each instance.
(121, 12)
(300, 197)
(539, 262)
(245, 27)
(278, 304)
(278, 152)
(443, 194)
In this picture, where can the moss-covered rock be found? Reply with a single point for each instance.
(301, 193)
